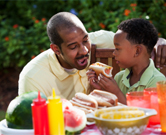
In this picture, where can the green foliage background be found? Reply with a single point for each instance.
(23, 22)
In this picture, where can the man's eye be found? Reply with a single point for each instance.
(116, 49)
(73, 47)
(85, 41)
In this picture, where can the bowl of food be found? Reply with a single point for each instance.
(122, 119)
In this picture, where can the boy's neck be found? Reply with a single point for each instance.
(137, 71)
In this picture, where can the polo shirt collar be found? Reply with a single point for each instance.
(59, 71)
(126, 77)
(144, 78)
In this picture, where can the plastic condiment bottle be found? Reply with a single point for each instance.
(40, 116)
(55, 115)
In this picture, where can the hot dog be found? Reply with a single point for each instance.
(101, 68)
(104, 98)
(84, 101)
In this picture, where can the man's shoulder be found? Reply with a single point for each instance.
(101, 32)
(40, 62)
(102, 38)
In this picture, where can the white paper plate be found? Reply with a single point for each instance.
(4, 130)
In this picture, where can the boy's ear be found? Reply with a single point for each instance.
(138, 50)
(55, 48)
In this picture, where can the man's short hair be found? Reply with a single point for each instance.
(58, 22)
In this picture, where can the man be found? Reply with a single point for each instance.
(64, 66)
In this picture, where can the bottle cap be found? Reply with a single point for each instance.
(39, 100)
(54, 97)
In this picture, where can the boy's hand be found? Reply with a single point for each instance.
(109, 84)
(92, 78)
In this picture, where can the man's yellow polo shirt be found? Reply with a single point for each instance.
(148, 79)
(44, 73)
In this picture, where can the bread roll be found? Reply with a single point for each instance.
(104, 98)
(84, 101)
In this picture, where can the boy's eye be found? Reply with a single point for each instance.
(117, 49)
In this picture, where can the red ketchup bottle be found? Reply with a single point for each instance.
(40, 116)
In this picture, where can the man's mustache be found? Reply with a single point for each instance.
(87, 55)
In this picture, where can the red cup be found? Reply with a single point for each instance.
(152, 93)
(138, 99)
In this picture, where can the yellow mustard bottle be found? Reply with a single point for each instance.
(55, 115)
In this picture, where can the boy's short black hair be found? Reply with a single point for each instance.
(140, 31)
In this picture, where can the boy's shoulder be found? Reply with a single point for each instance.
(120, 74)
(157, 73)
(152, 70)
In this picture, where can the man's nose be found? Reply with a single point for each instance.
(83, 50)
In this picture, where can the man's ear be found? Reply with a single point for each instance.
(138, 50)
(55, 48)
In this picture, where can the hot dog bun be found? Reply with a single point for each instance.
(84, 101)
(84, 109)
(101, 68)
(104, 98)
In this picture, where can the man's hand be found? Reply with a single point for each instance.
(160, 52)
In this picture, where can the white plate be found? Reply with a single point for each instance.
(10, 131)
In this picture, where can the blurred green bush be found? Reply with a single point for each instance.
(23, 22)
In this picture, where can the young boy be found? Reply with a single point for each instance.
(134, 42)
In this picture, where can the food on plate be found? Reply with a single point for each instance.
(101, 68)
(122, 114)
(115, 109)
(74, 119)
(117, 126)
(19, 114)
(84, 101)
(66, 103)
(95, 100)
(86, 110)
(104, 98)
